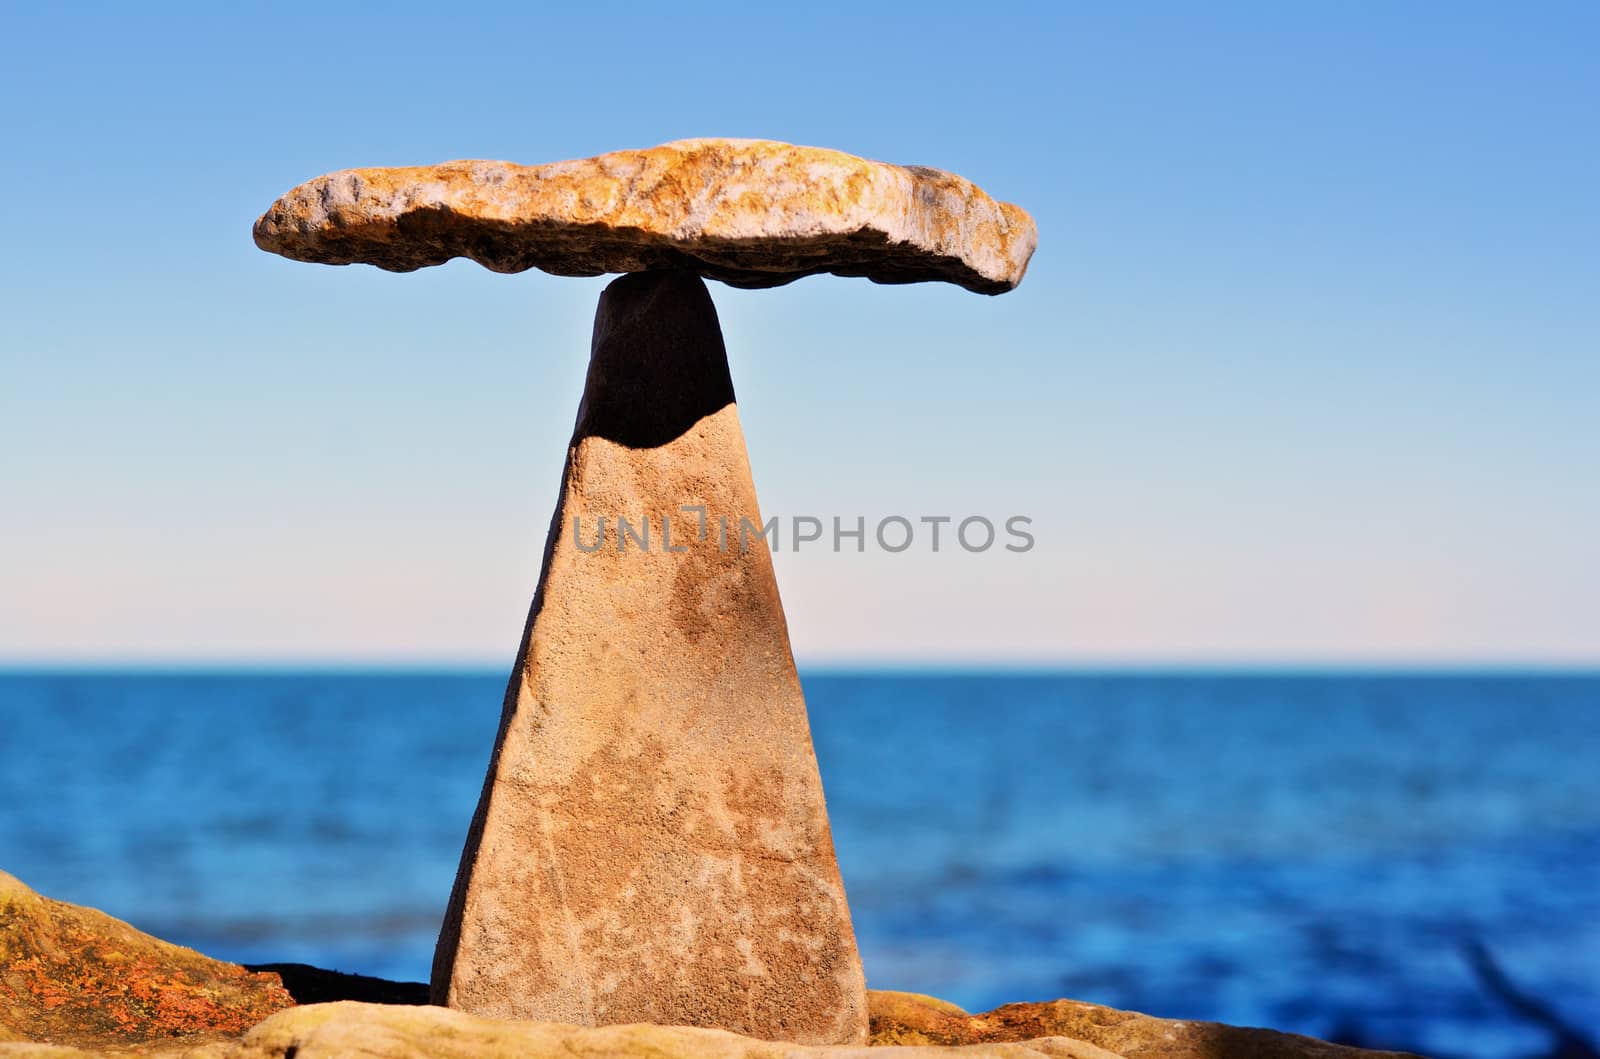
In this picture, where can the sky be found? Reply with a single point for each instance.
(1303, 372)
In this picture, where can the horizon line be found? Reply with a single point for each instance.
(888, 665)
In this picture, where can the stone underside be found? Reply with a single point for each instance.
(652, 843)
(751, 213)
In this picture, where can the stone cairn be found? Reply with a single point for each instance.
(651, 843)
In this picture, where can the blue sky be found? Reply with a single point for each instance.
(1304, 369)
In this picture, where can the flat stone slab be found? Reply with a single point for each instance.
(751, 213)
(377, 1031)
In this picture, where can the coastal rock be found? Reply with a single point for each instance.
(75, 976)
(91, 1006)
(752, 213)
(916, 1027)
(651, 843)
(350, 1028)
(910, 1018)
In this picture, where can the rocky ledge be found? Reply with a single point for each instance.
(76, 982)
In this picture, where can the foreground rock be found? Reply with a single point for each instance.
(652, 844)
(752, 213)
(909, 1018)
(385, 1032)
(918, 1028)
(75, 976)
(438, 1033)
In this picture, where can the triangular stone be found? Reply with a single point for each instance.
(651, 844)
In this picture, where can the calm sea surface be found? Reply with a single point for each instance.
(1307, 852)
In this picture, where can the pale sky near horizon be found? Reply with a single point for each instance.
(1304, 371)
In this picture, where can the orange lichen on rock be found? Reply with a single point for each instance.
(73, 975)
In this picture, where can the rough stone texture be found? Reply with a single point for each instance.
(909, 1018)
(752, 213)
(76, 976)
(437, 1033)
(892, 1013)
(918, 1023)
(103, 962)
(651, 844)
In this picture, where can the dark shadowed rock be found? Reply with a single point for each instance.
(313, 985)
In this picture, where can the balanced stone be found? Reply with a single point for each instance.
(651, 844)
(752, 213)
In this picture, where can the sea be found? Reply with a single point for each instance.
(1407, 860)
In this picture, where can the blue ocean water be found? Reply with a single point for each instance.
(1310, 852)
